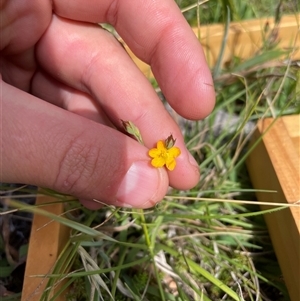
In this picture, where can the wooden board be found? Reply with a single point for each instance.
(275, 165)
(47, 240)
(244, 39)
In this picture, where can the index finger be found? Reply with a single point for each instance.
(159, 35)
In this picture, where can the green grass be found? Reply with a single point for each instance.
(215, 11)
(209, 243)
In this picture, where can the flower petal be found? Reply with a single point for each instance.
(174, 152)
(158, 162)
(170, 163)
(161, 155)
(154, 152)
(161, 145)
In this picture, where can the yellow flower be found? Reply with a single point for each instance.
(164, 156)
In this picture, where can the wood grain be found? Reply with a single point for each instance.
(47, 240)
(275, 165)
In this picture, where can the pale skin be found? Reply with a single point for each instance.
(67, 83)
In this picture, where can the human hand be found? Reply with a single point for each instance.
(56, 61)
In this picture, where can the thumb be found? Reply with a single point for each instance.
(50, 147)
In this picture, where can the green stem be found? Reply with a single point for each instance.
(151, 251)
(131, 129)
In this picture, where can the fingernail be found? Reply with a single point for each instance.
(192, 160)
(139, 186)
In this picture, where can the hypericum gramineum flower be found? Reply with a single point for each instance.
(165, 153)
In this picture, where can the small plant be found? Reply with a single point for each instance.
(209, 243)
